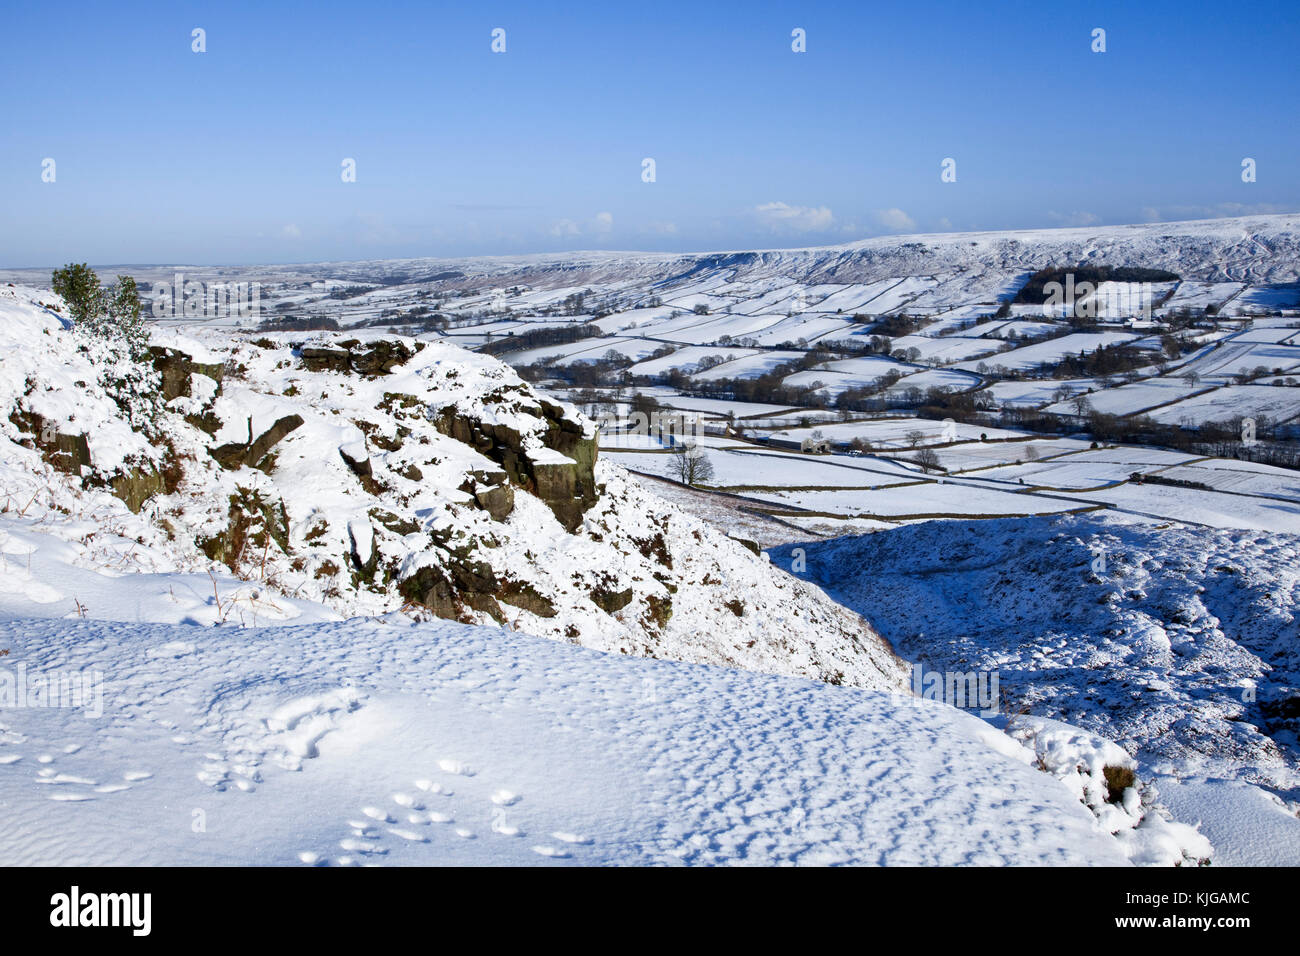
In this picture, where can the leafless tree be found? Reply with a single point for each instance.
(690, 465)
(927, 459)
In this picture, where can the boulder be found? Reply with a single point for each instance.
(250, 454)
(175, 367)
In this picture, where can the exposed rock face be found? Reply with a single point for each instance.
(568, 487)
(65, 453)
(254, 521)
(376, 358)
(70, 455)
(461, 583)
(240, 454)
(469, 584)
(360, 466)
(491, 492)
(429, 588)
(525, 596)
(137, 485)
(611, 602)
(175, 368)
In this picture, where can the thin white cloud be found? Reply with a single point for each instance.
(895, 220)
(600, 224)
(1076, 218)
(1221, 210)
(781, 216)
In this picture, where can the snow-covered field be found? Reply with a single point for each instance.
(1279, 403)
(1052, 350)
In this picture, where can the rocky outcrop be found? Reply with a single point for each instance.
(526, 597)
(358, 463)
(460, 583)
(65, 452)
(567, 487)
(491, 492)
(252, 452)
(253, 522)
(137, 485)
(428, 587)
(69, 454)
(175, 368)
(351, 356)
(610, 601)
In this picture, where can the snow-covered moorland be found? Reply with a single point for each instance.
(390, 531)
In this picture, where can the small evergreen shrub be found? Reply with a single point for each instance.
(113, 333)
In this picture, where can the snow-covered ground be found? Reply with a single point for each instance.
(380, 741)
(1177, 643)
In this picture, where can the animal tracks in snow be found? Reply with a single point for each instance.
(299, 725)
(427, 815)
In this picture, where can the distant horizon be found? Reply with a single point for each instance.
(885, 240)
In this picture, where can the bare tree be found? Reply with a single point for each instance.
(690, 465)
(928, 459)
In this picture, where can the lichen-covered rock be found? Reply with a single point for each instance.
(350, 356)
(251, 453)
(135, 486)
(559, 469)
(175, 369)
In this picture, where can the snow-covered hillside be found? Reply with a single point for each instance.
(1179, 643)
(1251, 248)
(1262, 248)
(384, 527)
(375, 473)
(385, 742)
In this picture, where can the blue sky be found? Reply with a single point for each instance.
(234, 155)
